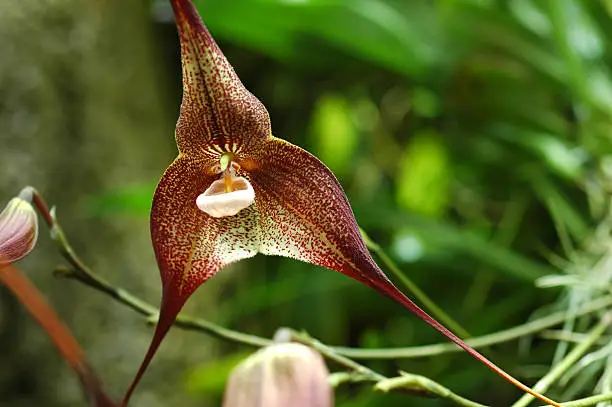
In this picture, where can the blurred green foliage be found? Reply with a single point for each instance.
(423, 175)
(473, 140)
(334, 132)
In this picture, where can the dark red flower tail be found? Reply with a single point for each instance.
(383, 285)
(170, 307)
(33, 300)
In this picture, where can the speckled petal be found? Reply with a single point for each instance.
(190, 245)
(303, 211)
(218, 113)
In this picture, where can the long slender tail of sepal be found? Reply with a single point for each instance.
(383, 285)
(167, 315)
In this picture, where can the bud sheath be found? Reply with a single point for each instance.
(280, 375)
(18, 228)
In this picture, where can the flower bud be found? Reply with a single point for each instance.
(18, 228)
(281, 375)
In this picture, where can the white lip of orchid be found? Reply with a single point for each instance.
(226, 196)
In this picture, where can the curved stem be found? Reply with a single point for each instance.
(588, 401)
(557, 371)
(411, 381)
(507, 335)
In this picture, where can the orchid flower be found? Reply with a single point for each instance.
(235, 190)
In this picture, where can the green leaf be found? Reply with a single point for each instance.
(424, 175)
(564, 214)
(334, 132)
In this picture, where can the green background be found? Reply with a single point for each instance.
(473, 140)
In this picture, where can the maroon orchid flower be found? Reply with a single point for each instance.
(235, 190)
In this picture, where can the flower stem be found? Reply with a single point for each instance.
(507, 335)
(408, 381)
(588, 401)
(558, 370)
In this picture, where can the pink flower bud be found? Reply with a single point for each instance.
(281, 375)
(18, 228)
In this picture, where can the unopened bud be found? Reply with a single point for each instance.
(281, 375)
(18, 228)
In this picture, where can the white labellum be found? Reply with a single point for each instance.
(224, 198)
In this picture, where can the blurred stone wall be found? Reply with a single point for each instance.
(84, 109)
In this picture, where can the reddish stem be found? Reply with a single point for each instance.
(33, 300)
